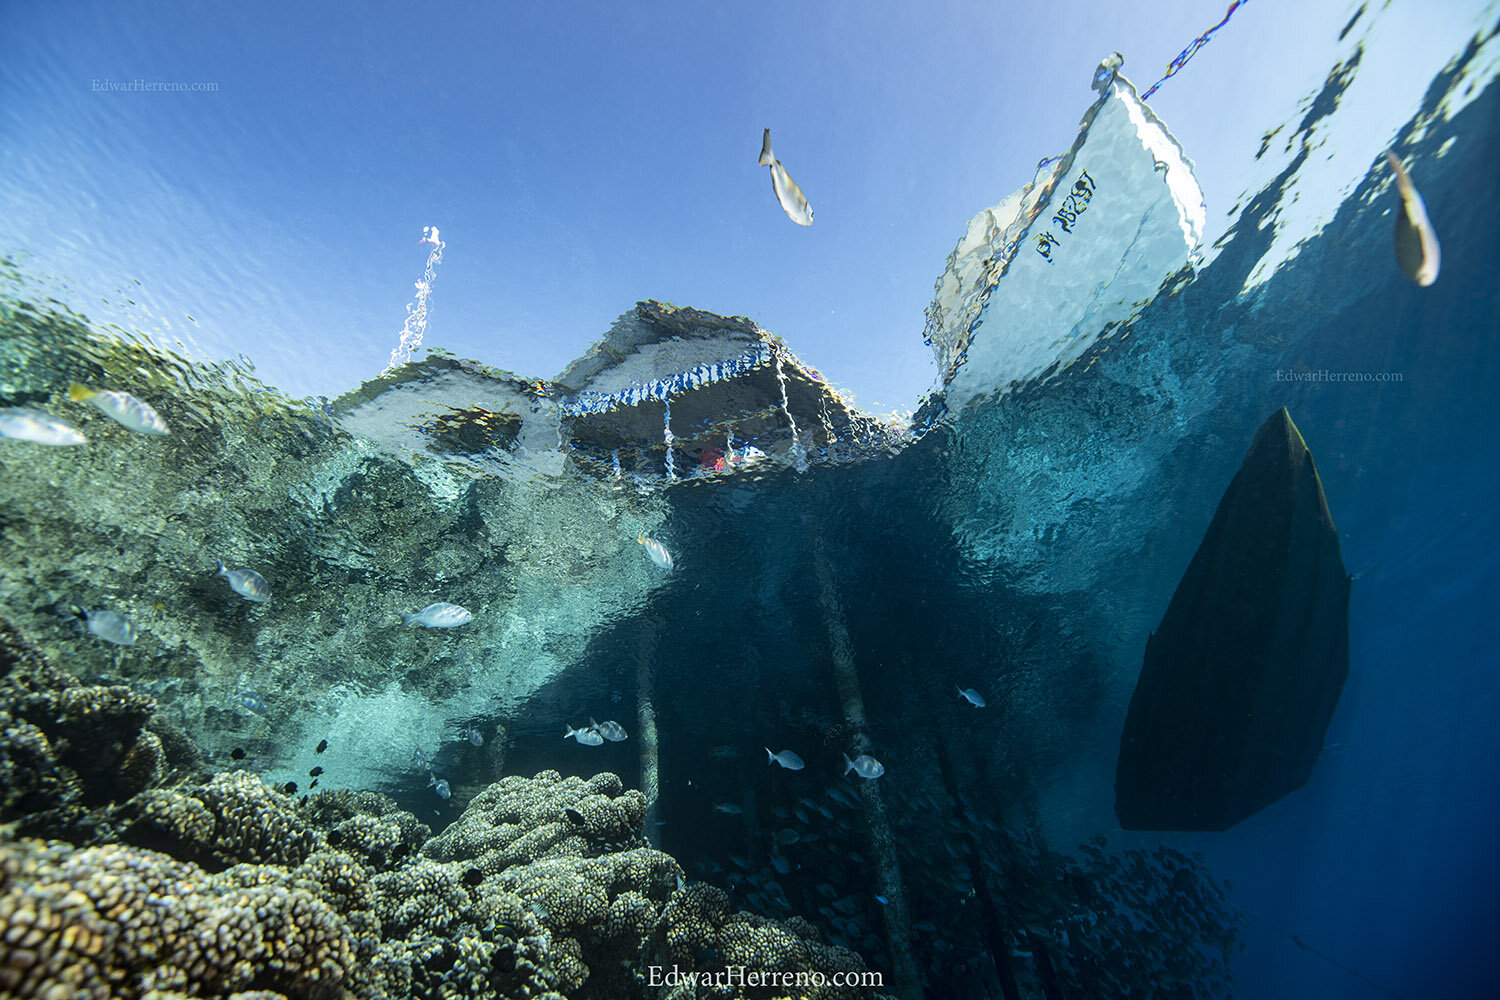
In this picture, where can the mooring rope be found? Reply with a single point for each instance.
(1192, 49)
(1294, 939)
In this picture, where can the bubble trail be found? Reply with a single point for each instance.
(416, 309)
(666, 423)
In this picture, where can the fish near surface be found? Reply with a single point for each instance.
(439, 785)
(1417, 249)
(21, 424)
(439, 615)
(123, 408)
(657, 551)
(793, 201)
(247, 583)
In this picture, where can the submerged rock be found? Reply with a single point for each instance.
(1241, 679)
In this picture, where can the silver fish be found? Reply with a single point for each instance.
(781, 864)
(1417, 249)
(971, 696)
(612, 731)
(420, 760)
(475, 737)
(246, 582)
(111, 626)
(21, 424)
(728, 809)
(793, 201)
(864, 765)
(440, 615)
(786, 759)
(123, 408)
(657, 551)
(439, 785)
(587, 737)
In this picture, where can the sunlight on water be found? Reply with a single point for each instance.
(1379, 83)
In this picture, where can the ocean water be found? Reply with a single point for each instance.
(1020, 533)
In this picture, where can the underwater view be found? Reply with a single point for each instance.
(462, 535)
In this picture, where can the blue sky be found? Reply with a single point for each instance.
(577, 157)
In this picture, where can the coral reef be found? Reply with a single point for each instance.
(520, 820)
(567, 853)
(698, 933)
(151, 883)
(66, 747)
(367, 825)
(117, 921)
(235, 818)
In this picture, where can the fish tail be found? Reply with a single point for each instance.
(848, 764)
(766, 159)
(79, 393)
(407, 619)
(222, 570)
(1403, 182)
(769, 755)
